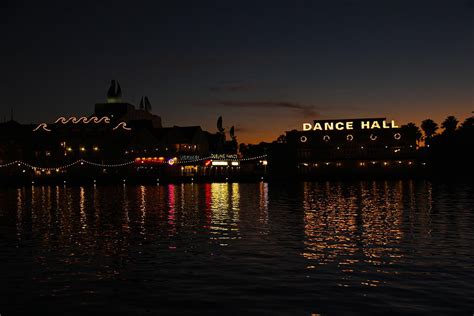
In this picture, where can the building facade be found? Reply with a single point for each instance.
(351, 144)
(117, 134)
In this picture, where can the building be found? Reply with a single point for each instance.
(355, 145)
(117, 134)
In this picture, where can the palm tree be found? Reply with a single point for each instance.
(468, 124)
(281, 139)
(412, 129)
(450, 124)
(429, 127)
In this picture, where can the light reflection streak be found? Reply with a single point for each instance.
(263, 202)
(225, 212)
(348, 225)
(172, 209)
(330, 224)
(83, 219)
(381, 214)
(126, 207)
(142, 209)
(19, 212)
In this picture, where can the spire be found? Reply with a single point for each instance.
(141, 104)
(114, 95)
(232, 133)
(219, 125)
(147, 104)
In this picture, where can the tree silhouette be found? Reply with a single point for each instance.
(412, 129)
(281, 139)
(449, 124)
(468, 123)
(429, 127)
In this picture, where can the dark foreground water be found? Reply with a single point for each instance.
(298, 249)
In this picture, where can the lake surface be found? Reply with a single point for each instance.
(297, 249)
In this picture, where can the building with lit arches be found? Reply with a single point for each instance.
(355, 144)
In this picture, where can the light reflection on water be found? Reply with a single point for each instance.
(293, 249)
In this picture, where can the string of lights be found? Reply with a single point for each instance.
(57, 168)
(95, 164)
(227, 159)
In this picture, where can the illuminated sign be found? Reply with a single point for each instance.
(224, 156)
(348, 125)
(220, 163)
(82, 120)
(190, 157)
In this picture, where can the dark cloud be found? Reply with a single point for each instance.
(232, 86)
(303, 109)
(242, 129)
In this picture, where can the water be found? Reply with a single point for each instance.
(329, 247)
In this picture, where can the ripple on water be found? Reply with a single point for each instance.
(296, 248)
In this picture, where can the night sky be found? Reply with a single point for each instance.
(265, 66)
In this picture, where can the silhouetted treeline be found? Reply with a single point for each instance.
(448, 147)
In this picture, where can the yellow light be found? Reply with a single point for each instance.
(82, 148)
(69, 149)
(96, 148)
